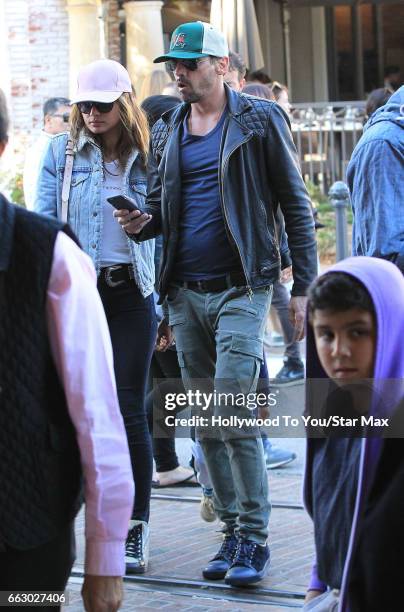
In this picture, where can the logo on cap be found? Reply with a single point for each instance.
(179, 41)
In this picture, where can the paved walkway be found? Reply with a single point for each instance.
(181, 543)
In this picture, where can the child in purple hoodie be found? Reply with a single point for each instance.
(355, 332)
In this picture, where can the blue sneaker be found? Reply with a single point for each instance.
(250, 564)
(218, 566)
(292, 373)
(276, 457)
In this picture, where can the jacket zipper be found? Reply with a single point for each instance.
(163, 256)
(164, 270)
(271, 240)
(221, 182)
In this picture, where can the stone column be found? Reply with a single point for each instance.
(144, 38)
(319, 41)
(86, 36)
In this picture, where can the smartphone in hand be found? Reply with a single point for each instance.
(121, 202)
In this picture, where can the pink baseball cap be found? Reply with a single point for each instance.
(102, 81)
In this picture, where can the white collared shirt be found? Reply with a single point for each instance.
(33, 158)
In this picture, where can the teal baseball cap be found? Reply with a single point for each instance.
(193, 40)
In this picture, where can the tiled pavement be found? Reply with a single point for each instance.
(181, 543)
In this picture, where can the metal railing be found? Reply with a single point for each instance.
(325, 135)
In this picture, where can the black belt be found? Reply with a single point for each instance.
(211, 285)
(116, 275)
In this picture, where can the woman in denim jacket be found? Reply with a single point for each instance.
(110, 140)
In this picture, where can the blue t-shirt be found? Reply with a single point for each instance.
(203, 249)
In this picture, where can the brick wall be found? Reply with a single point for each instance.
(38, 40)
(38, 55)
(112, 29)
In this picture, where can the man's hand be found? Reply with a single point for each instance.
(102, 593)
(264, 412)
(297, 314)
(165, 336)
(132, 222)
(286, 275)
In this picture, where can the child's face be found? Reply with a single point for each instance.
(345, 343)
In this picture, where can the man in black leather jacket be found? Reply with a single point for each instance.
(220, 165)
(259, 171)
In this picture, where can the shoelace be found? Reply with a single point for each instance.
(244, 552)
(134, 542)
(227, 549)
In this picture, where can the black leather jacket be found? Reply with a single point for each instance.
(258, 172)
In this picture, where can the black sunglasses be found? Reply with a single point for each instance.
(189, 64)
(101, 107)
(64, 116)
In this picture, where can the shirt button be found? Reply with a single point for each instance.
(93, 245)
(95, 214)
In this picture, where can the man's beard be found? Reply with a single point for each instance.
(190, 97)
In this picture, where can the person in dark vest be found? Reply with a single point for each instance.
(60, 423)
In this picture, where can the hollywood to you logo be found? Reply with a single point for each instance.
(180, 40)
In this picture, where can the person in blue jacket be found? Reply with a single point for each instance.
(375, 176)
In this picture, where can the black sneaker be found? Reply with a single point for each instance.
(137, 548)
(218, 566)
(250, 564)
(291, 373)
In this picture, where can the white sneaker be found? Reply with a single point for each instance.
(137, 547)
(207, 509)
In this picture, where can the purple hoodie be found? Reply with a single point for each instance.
(385, 284)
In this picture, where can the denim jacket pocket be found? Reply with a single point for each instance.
(76, 185)
(79, 188)
(77, 180)
(139, 186)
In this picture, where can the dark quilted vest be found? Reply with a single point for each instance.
(40, 474)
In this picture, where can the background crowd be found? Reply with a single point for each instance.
(237, 229)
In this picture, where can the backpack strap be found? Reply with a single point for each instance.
(67, 179)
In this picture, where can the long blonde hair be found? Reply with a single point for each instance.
(154, 83)
(134, 128)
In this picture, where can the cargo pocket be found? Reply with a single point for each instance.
(241, 307)
(246, 355)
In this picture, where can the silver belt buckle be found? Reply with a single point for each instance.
(108, 279)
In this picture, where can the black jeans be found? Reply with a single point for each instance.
(280, 301)
(164, 365)
(46, 568)
(133, 327)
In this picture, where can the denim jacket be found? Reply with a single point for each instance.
(85, 214)
(376, 182)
